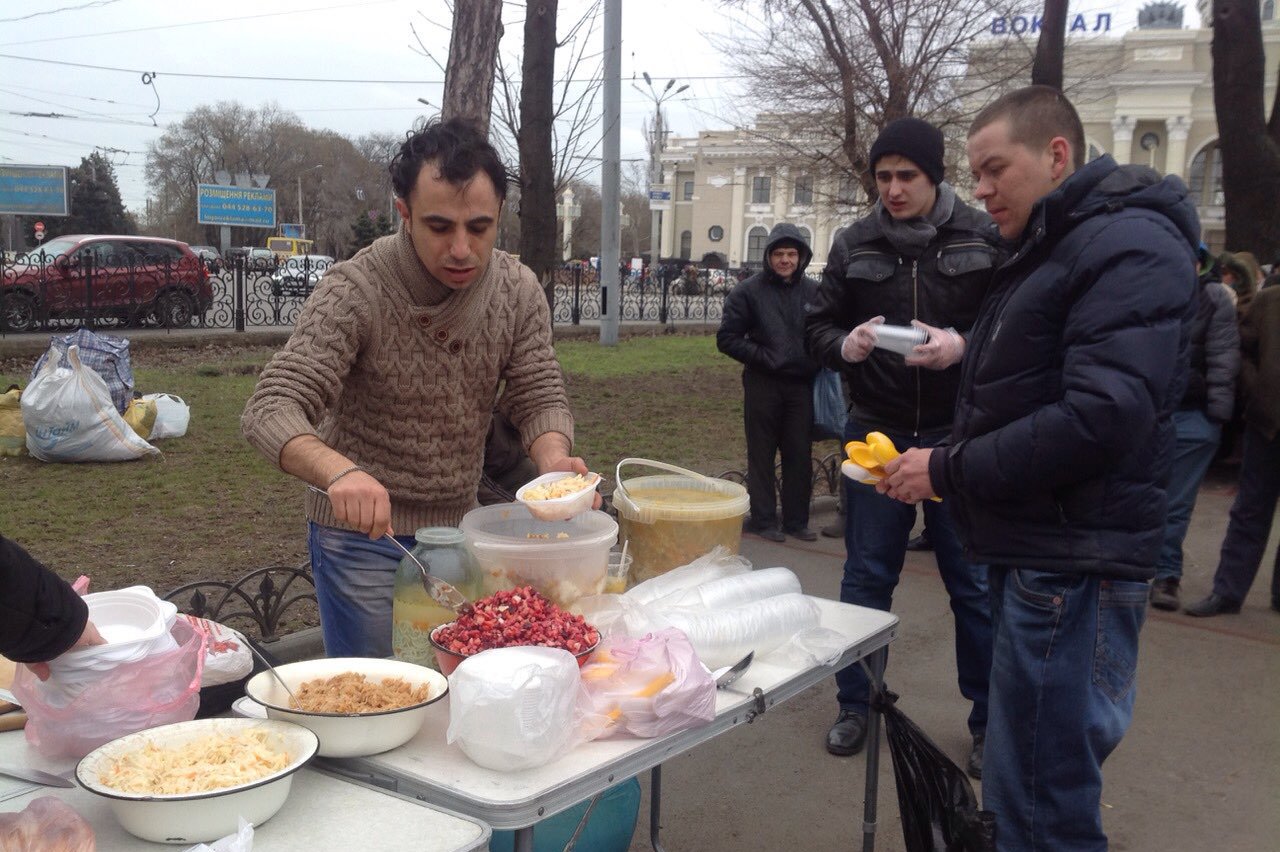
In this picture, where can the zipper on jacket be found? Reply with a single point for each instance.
(915, 312)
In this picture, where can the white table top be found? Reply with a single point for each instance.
(322, 814)
(441, 774)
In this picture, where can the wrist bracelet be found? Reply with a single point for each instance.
(343, 473)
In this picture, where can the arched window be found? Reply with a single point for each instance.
(686, 245)
(755, 244)
(1268, 10)
(1205, 178)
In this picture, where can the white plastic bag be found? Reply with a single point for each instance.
(172, 416)
(69, 416)
(516, 708)
(723, 637)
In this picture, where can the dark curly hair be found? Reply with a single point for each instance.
(459, 150)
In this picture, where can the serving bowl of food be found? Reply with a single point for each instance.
(190, 782)
(511, 619)
(560, 495)
(357, 706)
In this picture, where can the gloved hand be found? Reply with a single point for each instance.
(945, 347)
(858, 345)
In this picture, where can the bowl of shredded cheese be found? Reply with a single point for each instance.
(559, 496)
(357, 706)
(190, 782)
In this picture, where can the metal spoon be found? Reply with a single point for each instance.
(727, 675)
(441, 592)
(294, 702)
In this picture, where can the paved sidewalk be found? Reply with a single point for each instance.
(1199, 769)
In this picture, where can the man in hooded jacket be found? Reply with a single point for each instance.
(1058, 459)
(763, 327)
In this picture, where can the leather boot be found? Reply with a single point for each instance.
(848, 735)
(1164, 594)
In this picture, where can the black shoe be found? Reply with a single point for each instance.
(1164, 594)
(848, 735)
(770, 533)
(803, 534)
(920, 542)
(974, 765)
(1275, 604)
(835, 529)
(1212, 605)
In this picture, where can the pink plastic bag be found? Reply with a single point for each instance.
(648, 687)
(156, 690)
(46, 825)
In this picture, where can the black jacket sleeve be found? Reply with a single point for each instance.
(41, 616)
(828, 323)
(733, 337)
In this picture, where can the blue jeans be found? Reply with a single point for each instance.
(1062, 690)
(876, 531)
(1197, 442)
(355, 578)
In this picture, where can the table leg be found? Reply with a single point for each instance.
(877, 661)
(524, 839)
(655, 808)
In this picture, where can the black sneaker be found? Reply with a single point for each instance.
(848, 735)
(919, 543)
(1212, 605)
(803, 534)
(1164, 594)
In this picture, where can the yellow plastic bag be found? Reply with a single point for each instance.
(141, 416)
(13, 435)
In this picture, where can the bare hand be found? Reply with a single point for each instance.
(944, 348)
(550, 452)
(907, 477)
(89, 636)
(858, 345)
(361, 503)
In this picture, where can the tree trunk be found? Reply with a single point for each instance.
(1051, 46)
(473, 54)
(1249, 148)
(537, 167)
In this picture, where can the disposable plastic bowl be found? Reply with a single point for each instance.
(450, 660)
(350, 734)
(135, 624)
(198, 817)
(671, 519)
(559, 508)
(563, 560)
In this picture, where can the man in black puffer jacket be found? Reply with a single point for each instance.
(763, 327)
(921, 257)
(1058, 459)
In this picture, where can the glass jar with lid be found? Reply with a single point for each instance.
(414, 613)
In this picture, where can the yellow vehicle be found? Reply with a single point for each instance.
(284, 247)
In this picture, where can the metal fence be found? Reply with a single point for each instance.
(52, 293)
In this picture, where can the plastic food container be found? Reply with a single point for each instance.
(670, 520)
(559, 508)
(564, 560)
(135, 624)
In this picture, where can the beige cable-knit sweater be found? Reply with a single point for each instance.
(400, 374)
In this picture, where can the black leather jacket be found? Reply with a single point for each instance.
(943, 287)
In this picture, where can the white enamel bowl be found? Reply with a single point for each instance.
(350, 734)
(198, 817)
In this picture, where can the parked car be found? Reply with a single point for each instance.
(298, 275)
(260, 259)
(211, 256)
(129, 278)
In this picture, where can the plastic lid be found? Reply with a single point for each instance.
(439, 535)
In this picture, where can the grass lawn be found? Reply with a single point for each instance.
(212, 508)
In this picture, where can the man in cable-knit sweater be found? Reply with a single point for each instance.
(384, 392)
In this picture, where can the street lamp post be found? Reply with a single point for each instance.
(657, 140)
(301, 225)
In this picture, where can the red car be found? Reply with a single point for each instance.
(130, 278)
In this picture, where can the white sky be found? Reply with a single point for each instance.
(366, 40)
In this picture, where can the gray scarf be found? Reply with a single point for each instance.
(912, 236)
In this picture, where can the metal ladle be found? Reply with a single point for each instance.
(275, 674)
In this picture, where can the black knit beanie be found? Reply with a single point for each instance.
(917, 140)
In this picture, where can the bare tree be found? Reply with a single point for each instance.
(473, 54)
(1051, 47)
(1248, 143)
(537, 182)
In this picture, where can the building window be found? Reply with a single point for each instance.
(806, 235)
(1094, 153)
(846, 192)
(804, 190)
(760, 190)
(1205, 177)
(686, 245)
(1268, 10)
(755, 244)
(715, 233)
(688, 191)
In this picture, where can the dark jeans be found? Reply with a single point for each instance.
(1197, 442)
(1251, 514)
(1062, 691)
(876, 530)
(778, 414)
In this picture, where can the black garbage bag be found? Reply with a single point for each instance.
(939, 809)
